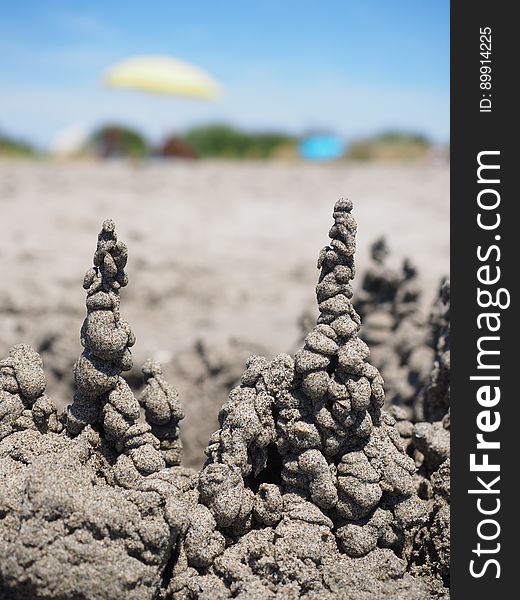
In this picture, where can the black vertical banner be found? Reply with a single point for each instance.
(484, 325)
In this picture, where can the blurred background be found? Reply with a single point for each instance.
(374, 74)
(218, 137)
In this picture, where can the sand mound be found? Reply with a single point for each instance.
(310, 488)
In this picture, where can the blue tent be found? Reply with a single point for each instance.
(322, 146)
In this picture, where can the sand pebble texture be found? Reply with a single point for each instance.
(310, 488)
(222, 260)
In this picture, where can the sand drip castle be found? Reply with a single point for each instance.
(102, 396)
(310, 488)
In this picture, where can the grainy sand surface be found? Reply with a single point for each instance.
(217, 250)
(220, 251)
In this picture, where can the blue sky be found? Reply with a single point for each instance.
(353, 66)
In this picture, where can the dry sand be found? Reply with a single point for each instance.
(217, 250)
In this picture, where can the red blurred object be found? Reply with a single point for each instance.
(175, 146)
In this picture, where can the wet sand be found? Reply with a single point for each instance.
(217, 251)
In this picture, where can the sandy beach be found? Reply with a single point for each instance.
(217, 251)
(305, 486)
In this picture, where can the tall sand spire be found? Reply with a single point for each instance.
(311, 430)
(102, 396)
